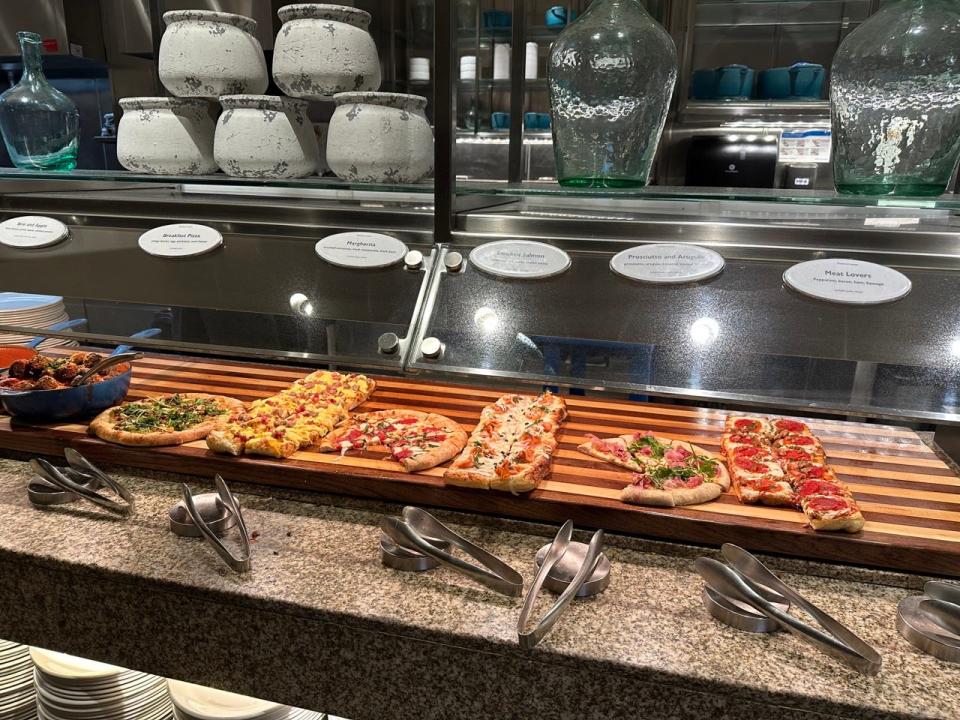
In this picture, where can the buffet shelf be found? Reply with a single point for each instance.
(908, 495)
(218, 179)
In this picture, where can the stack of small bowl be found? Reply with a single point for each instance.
(17, 696)
(70, 688)
(322, 53)
(193, 702)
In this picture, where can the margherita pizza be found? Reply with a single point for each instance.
(417, 440)
(668, 472)
(512, 446)
(166, 420)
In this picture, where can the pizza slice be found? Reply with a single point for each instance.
(663, 488)
(733, 441)
(760, 481)
(787, 426)
(807, 443)
(512, 446)
(415, 439)
(747, 425)
(833, 513)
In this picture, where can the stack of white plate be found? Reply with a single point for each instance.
(192, 702)
(17, 696)
(70, 688)
(33, 311)
(420, 69)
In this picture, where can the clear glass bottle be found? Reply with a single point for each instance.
(895, 101)
(40, 124)
(611, 75)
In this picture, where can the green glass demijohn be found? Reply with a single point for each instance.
(611, 75)
(40, 124)
(895, 101)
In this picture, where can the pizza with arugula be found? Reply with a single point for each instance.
(667, 473)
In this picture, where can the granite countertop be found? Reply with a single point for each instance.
(356, 639)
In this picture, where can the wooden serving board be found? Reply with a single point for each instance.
(909, 497)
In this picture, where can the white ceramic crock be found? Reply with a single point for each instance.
(166, 136)
(207, 54)
(322, 50)
(265, 136)
(380, 138)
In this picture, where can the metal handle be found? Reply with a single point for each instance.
(497, 576)
(148, 333)
(52, 474)
(108, 362)
(560, 543)
(243, 562)
(942, 614)
(66, 325)
(729, 582)
(750, 565)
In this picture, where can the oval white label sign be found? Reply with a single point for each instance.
(180, 240)
(32, 231)
(361, 250)
(853, 282)
(520, 259)
(667, 263)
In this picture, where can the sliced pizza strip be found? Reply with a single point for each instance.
(733, 441)
(807, 443)
(836, 513)
(661, 489)
(747, 425)
(760, 481)
(787, 426)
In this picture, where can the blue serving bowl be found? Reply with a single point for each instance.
(728, 82)
(800, 81)
(67, 403)
(500, 121)
(495, 19)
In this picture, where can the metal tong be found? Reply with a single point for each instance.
(931, 622)
(530, 638)
(738, 581)
(80, 480)
(408, 532)
(238, 563)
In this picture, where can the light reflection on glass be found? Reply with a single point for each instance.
(704, 331)
(486, 320)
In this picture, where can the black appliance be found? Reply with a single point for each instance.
(748, 161)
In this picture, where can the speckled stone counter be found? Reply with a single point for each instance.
(319, 623)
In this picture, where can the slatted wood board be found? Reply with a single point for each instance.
(909, 497)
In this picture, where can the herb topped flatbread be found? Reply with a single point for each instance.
(165, 420)
(667, 472)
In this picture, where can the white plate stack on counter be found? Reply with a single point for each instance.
(193, 702)
(18, 699)
(70, 688)
(34, 311)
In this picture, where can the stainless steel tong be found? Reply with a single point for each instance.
(931, 622)
(81, 479)
(530, 638)
(238, 563)
(410, 532)
(738, 580)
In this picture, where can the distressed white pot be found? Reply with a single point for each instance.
(265, 136)
(322, 50)
(166, 136)
(208, 54)
(380, 138)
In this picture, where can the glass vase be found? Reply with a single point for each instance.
(895, 101)
(611, 75)
(40, 125)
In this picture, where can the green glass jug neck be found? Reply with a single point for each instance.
(31, 51)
